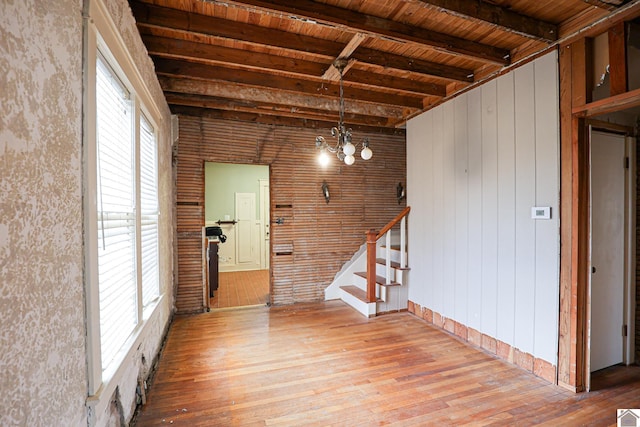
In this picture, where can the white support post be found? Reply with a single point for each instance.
(403, 242)
(388, 257)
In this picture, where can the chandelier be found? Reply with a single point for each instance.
(344, 148)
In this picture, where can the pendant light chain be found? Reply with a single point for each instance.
(344, 148)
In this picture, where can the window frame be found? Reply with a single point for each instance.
(101, 37)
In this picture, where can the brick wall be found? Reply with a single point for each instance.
(316, 238)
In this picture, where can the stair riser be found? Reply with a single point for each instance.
(395, 254)
(381, 270)
(367, 309)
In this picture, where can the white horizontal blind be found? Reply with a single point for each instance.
(116, 212)
(149, 212)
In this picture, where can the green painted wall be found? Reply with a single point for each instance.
(223, 180)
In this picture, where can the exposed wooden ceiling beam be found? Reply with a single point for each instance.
(259, 107)
(175, 48)
(374, 79)
(360, 22)
(164, 17)
(148, 15)
(333, 73)
(277, 120)
(257, 78)
(390, 60)
(501, 17)
(295, 99)
(604, 4)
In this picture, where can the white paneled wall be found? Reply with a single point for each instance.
(476, 165)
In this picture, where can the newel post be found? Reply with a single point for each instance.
(372, 237)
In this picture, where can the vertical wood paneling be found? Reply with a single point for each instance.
(449, 209)
(316, 238)
(547, 194)
(494, 155)
(489, 225)
(437, 165)
(429, 209)
(422, 246)
(525, 199)
(461, 206)
(506, 213)
(475, 212)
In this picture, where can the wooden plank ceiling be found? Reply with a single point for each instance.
(272, 61)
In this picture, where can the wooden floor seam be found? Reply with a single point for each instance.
(324, 364)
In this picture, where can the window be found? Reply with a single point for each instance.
(127, 212)
(149, 212)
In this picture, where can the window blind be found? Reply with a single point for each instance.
(149, 212)
(116, 212)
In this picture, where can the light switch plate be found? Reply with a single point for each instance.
(541, 212)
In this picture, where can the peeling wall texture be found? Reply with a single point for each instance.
(43, 368)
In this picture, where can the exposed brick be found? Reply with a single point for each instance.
(544, 370)
(417, 309)
(438, 320)
(504, 351)
(489, 343)
(460, 330)
(475, 337)
(524, 360)
(449, 325)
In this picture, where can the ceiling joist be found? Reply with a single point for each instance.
(499, 17)
(151, 16)
(272, 61)
(333, 74)
(278, 120)
(351, 20)
(295, 99)
(259, 107)
(261, 79)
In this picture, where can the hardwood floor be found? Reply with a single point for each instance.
(323, 364)
(241, 288)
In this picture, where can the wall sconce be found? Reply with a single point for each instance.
(400, 193)
(325, 191)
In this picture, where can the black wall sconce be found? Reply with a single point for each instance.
(400, 193)
(325, 191)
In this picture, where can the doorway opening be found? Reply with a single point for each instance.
(611, 292)
(237, 200)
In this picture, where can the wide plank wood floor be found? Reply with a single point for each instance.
(241, 288)
(323, 364)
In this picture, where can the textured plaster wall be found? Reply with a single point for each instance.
(43, 380)
(139, 363)
(42, 345)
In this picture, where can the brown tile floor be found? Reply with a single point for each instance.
(241, 288)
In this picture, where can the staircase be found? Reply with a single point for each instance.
(382, 287)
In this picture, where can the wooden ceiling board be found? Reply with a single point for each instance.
(546, 10)
(271, 60)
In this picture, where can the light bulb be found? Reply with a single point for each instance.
(366, 153)
(349, 160)
(323, 159)
(349, 149)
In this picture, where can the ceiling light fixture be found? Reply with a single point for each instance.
(344, 148)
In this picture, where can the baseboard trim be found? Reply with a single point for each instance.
(539, 367)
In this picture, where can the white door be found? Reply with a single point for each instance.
(264, 220)
(246, 217)
(607, 249)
